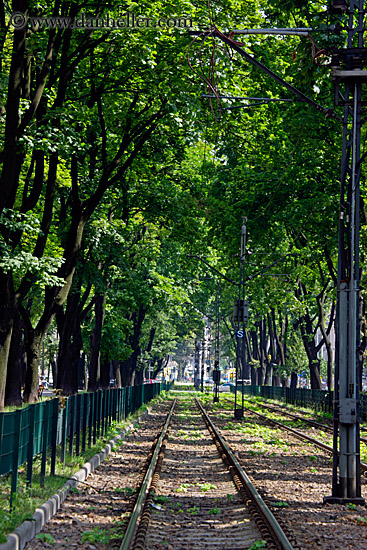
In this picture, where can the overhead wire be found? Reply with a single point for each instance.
(202, 74)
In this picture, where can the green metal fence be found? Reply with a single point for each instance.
(72, 424)
(320, 400)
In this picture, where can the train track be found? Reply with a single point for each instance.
(298, 433)
(314, 423)
(195, 495)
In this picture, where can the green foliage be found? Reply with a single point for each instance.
(215, 511)
(280, 504)
(258, 544)
(46, 537)
(95, 535)
(125, 176)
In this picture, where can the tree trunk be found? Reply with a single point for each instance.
(272, 359)
(161, 364)
(254, 380)
(129, 366)
(262, 350)
(116, 373)
(7, 314)
(294, 380)
(310, 347)
(54, 372)
(105, 374)
(95, 345)
(260, 376)
(68, 359)
(326, 337)
(128, 369)
(139, 377)
(16, 367)
(70, 346)
(11, 168)
(33, 350)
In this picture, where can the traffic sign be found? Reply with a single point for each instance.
(239, 334)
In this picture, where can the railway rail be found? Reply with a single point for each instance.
(196, 495)
(325, 427)
(298, 433)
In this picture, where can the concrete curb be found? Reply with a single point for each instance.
(29, 529)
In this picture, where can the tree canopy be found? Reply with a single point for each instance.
(128, 155)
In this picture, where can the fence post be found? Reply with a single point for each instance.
(14, 473)
(30, 445)
(85, 414)
(101, 413)
(123, 397)
(55, 417)
(95, 414)
(77, 428)
(118, 404)
(64, 432)
(99, 406)
(46, 414)
(114, 405)
(72, 424)
(108, 404)
(106, 397)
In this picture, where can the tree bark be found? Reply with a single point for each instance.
(95, 345)
(7, 315)
(311, 350)
(129, 367)
(16, 367)
(116, 372)
(294, 379)
(263, 354)
(33, 351)
(105, 373)
(70, 346)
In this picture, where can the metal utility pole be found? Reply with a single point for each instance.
(240, 316)
(348, 75)
(205, 352)
(202, 364)
(197, 364)
(216, 371)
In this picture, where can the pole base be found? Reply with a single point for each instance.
(238, 413)
(358, 501)
(216, 399)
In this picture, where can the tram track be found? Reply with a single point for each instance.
(201, 507)
(299, 434)
(193, 502)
